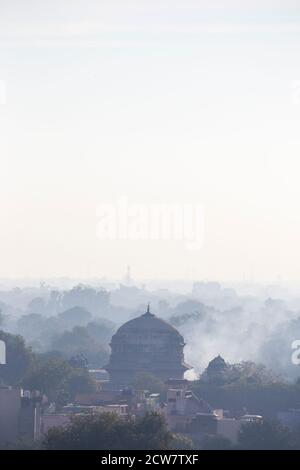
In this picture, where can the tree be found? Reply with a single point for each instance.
(181, 442)
(219, 372)
(152, 433)
(101, 330)
(48, 377)
(83, 296)
(79, 341)
(265, 400)
(79, 361)
(57, 379)
(216, 443)
(37, 305)
(30, 326)
(18, 359)
(267, 435)
(79, 381)
(75, 316)
(109, 431)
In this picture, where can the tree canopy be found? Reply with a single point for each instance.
(80, 341)
(109, 431)
(268, 435)
(57, 379)
(18, 359)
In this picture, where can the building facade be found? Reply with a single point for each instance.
(20, 415)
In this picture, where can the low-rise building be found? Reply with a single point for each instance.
(63, 418)
(20, 415)
(10, 406)
(183, 405)
(190, 415)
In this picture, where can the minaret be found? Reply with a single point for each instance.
(148, 313)
(127, 277)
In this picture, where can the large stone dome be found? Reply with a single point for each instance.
(150, 322)
(146, 344)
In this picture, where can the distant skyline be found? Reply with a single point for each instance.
(161, 102)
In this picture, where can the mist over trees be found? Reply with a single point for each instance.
(246, 387)
(240, 345)
(249, 323)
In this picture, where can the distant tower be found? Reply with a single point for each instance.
(127, 277)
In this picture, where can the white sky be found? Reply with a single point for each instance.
(161, 102)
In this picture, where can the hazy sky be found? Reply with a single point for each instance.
(160, 102)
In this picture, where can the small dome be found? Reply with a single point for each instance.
(218, 363)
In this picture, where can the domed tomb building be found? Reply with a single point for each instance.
(146, 344)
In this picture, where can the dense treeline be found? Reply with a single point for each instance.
(265, 400)
(109, 431)
(51, 374)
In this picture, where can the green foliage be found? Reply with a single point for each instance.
(49, 377)
(84, 296)
(181, 442)
(246, 386)
(37, 305)
(264, 400)
(75, 316)
(18, 359)
(21, 444)
(31, 325)
(268, 435)
(79, 341)
(79, 381)
(243, 373)
(57, 379)
(216, 443)
(151, 433)
(109, 431)
(71, 331)
(101, 330)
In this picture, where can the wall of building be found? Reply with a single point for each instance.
(10, 405)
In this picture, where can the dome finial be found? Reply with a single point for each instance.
(148, 308)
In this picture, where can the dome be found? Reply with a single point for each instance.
(146, 344)
(218, 362)
(148, 322)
